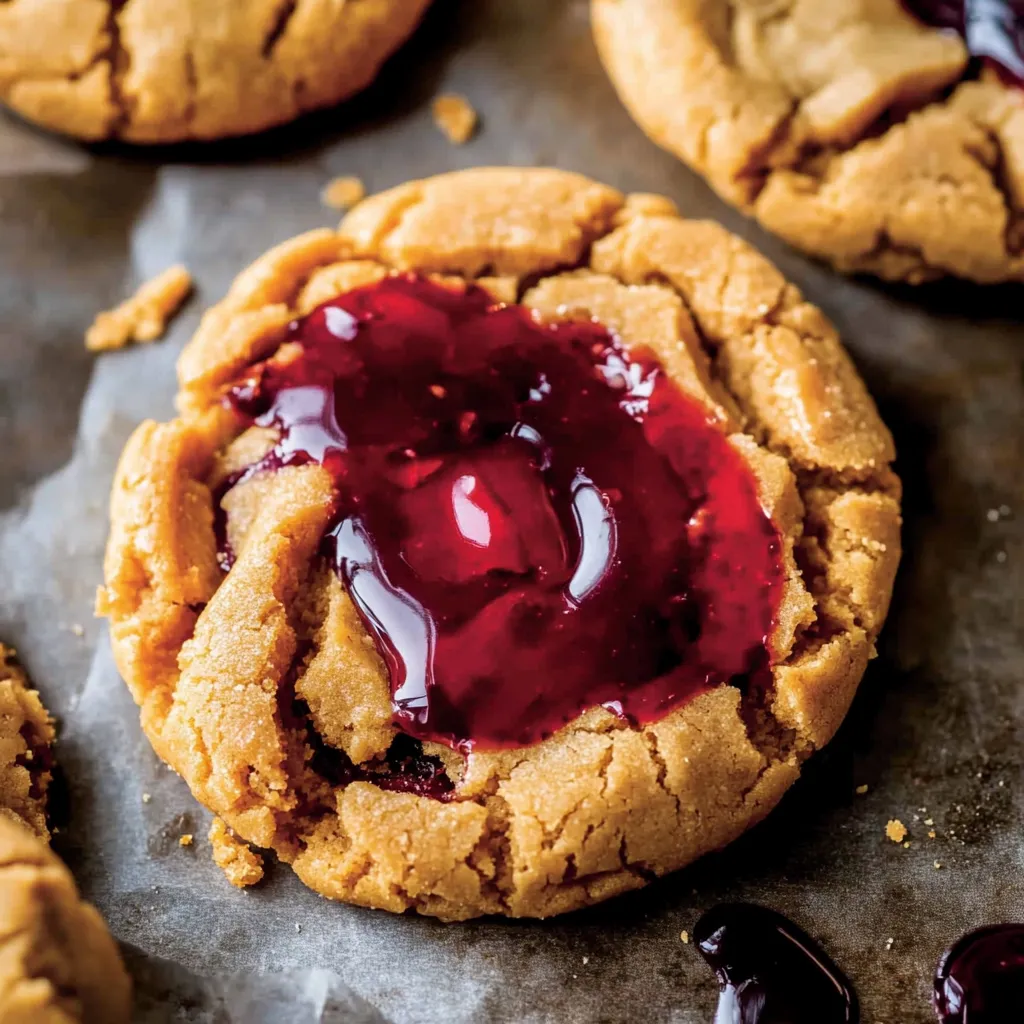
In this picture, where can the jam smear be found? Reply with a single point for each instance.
(980, 980)
(770, 971)
(992, 29)
(529, 520)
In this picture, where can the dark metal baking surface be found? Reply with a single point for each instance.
(935, 733)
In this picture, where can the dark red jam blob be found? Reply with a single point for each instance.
(992, 29)
(980, 980)
(530, 521)
(770, 971)
(404, 769)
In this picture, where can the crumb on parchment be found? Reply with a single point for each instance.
(240, 864)
(343, 193)
(456, 118)
(144, 316)
(185, 840)
(896, 830)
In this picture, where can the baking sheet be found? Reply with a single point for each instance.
(937, 724)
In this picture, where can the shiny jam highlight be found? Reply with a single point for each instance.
(530, 521)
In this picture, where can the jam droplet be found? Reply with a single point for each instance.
(980, 980)
(770, 971)
(992, 29)
(529, 520)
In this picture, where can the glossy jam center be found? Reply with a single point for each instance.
(530, 521)
(769, 971)
(992, 29)
(980, 980)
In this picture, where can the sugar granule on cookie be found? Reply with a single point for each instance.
(400, 464)
(343, 193)
(455, 116)
(241, 865)
(895, 830)
(144, 316)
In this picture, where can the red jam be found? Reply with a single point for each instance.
(981, 979)
(530, 521)
(992, 29)
(770, 971)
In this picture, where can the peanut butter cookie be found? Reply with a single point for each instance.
(169, 70)
(58, 962)
(26, 736)
(515, 544)
(861, 131)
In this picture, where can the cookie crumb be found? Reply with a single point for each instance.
(146, 797)
(685, 937)
(931, 833)
(861, 790)
(456, 118)
(889, 942)
(906, 845)
(929, 821)
(298, 927)
(938, 866)
(144, 316)
(241, 865)
(992, 515)
(343, 193)
(586, 960)
(896, 830)
(185, 840)
(78, 629)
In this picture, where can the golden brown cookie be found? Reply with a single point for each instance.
(169, 70)
(256, 675)
(58, 963)
(849, 128)
(26, 736)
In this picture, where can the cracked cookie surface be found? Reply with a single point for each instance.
(155, 71)
(215, 660)
(847, 128)
(58, 962)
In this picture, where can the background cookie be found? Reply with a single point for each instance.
(599, 807)
(26, 735)
(168, 70)
(57, 960)
(849, 128)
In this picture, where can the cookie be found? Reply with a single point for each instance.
(57, 960)
(169, 70)
(855, 130)
(26, 737)
(515, 544)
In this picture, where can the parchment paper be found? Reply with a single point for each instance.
(936, 726)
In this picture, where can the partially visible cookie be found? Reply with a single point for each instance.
(58, 963)
(26, 734)
(169, 70)
(850, 128)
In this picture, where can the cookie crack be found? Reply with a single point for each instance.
(282, 16)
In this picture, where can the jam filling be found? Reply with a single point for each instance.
(769, 971)
(530, 521)
(980, 980)
(992, 29)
